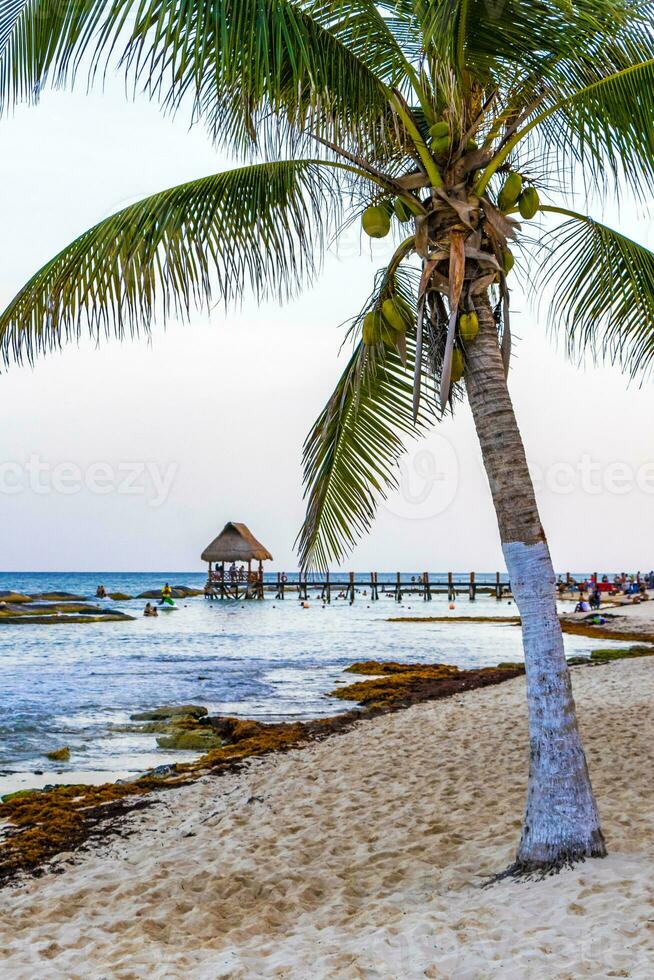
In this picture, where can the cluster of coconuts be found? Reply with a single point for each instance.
(376, 219)
(442, 142)
(388, 322)
(526, 198)
(513, 193)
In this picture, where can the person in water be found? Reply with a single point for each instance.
(150, 610)
(101, 592)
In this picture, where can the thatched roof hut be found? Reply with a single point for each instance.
(235, 543)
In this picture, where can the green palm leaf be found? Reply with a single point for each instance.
(263, 226)
(602, 286)
(237, 61)
(606, 126)
(8, 16)
(492, 39)
(350, 455)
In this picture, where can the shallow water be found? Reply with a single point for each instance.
(272, 660)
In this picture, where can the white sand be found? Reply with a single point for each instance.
(362, 856)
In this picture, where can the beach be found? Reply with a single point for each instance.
(76, 685)
(363, 856)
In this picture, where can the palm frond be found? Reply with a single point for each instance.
(597, 114)
(8, 15)
(350, 455)
(606, 126)
(46, 39)
(602, 289)
(361, 28)
(263, 226)
(249, 68)
(531, 36)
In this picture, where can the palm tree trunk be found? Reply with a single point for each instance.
(561, 822)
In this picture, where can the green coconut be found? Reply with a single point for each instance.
(468, 327)
(373, 324)
(508, 260)
(440, 129)
(376, 221)
(510, 192)
(458, 366)
(441, 146)
(529, 202)
(402, 210)
(397, 314)
(472, 145)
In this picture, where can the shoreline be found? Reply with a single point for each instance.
(37, 826)
(43, 822)
(363, 855)
(39, 772)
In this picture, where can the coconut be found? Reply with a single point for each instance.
(468, 327)
(373, 324)
(441, 146)
(402, 210)
(529, 202)
(510, 192)
(508, 260)
(472, 145)
(458, 366)
(376, 221)
(440, 129)
(397, 314)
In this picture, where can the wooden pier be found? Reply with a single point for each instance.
(350, 587)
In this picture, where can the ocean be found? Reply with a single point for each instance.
(69, 685)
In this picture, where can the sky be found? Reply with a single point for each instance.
(133, 456)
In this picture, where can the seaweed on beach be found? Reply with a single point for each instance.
(41, 825)
(44, 824)
(606, 631)
(399, 685)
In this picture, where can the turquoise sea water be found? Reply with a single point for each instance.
(68, 684)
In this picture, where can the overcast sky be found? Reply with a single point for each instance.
(133, 456)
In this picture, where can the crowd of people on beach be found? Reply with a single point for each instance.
(590, 590)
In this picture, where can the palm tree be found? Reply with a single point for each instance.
(439, 122)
